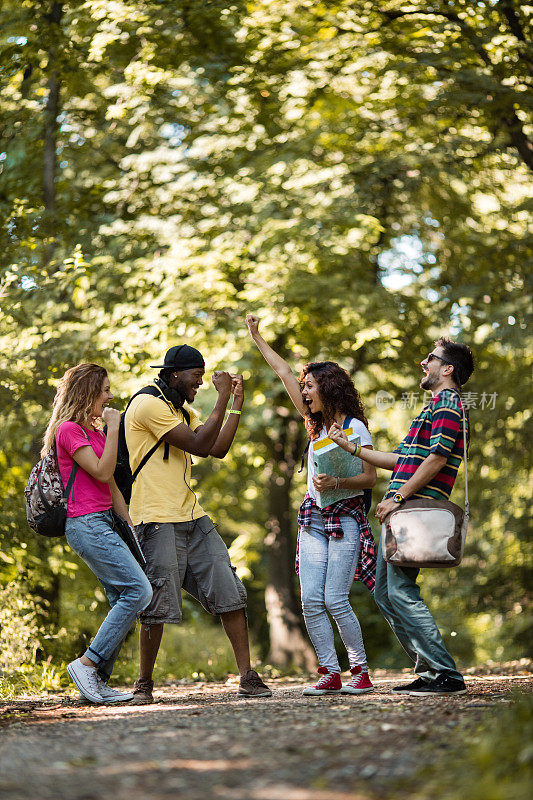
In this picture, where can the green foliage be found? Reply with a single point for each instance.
(32, 679)
(356, 174)
(19, 631)
(198, 650)
(491, 762)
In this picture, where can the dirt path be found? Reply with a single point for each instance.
(200, 741)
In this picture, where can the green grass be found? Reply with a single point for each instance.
(32, 679)
(197, 650)
(493, 761)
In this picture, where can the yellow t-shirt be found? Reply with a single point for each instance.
(160, 492)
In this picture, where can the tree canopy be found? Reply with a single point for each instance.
(356, 174)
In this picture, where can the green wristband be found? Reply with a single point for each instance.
(357, 449)
(234, 411)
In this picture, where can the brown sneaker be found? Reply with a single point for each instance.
(142, 692)
(251, 685)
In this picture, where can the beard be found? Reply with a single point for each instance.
(428, 382)
(185, 391)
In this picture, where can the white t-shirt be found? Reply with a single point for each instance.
(359, 428)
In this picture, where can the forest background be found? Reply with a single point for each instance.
(358, 175)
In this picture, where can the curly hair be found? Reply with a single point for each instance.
(75, 397)
(337, 393)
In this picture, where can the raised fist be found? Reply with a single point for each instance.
(111, 418)
(253, 324)
(237, 385)
(222, 382)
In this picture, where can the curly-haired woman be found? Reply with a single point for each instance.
(335, 543)
(75, 428)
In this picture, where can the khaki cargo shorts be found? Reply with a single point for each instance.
(193, 556)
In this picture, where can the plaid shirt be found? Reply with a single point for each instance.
(353, 507)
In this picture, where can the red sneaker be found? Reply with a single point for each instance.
(329, 683)
(359, 683)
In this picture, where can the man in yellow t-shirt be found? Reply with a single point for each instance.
(179, 540)
(161, 491)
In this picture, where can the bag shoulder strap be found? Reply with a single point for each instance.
(465, 456)
(147, 456)
(70, 482)
(154, 391)
(467, 503)
(186, 415)
(73, 472)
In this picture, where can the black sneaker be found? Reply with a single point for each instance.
(405, 688)
(443, 685)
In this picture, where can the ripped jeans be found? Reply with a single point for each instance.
(327, 569)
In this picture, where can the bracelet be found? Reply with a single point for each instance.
(234, 411)
(357, 450)
(337, 483)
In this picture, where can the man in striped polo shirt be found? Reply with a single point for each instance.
(425, 464)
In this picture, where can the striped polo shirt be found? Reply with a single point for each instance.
(437, 429)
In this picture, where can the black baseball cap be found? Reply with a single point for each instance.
(182, 356)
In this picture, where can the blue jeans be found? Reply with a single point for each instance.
(327, 569)
(94, 538)
(398, 597)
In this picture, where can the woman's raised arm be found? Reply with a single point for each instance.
(278, 364)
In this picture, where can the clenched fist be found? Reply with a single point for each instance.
(253, 324)
(111, 418)
(222, 382)
(237, 386)
(337, 435)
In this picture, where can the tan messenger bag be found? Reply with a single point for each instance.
(427, 533)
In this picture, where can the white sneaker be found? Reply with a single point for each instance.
(110, 695)
(86, 679)
(82, 700)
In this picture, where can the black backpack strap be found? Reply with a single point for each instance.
(74, 471)
(154, 391)
(303, 456)
(147, 456)
(70, 482)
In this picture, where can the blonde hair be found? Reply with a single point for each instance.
(74, 401)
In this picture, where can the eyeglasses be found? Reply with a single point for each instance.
(431, 356)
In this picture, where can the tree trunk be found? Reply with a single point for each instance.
(288, 644)
(51, 113)
(50, 131)
(519, 139)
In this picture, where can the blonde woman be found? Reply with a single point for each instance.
(80, 408)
